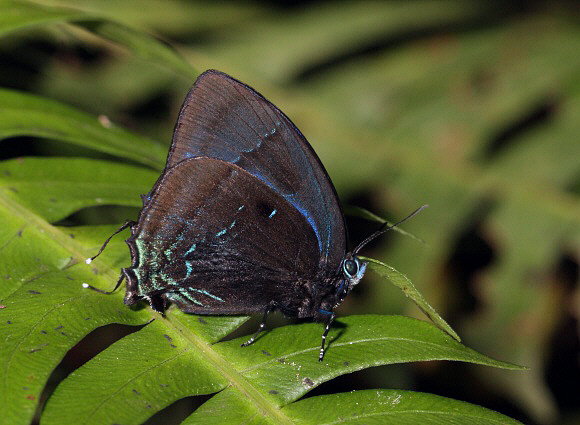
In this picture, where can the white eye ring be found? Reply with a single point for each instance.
(350, 267)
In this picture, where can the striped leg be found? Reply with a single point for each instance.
(328, 325)
(271, 307)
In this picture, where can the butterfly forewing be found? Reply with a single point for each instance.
(216, 240)
(223, 118)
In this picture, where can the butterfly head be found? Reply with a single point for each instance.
(353, 270)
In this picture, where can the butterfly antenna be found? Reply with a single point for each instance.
(128, 223)
(125, 225)
(385, 228)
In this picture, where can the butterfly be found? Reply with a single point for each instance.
(244, 218)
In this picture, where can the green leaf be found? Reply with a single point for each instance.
(31, 247)
(29, 115)
(167, 360)
(390, 406)
(402, 282)
(154, 52)
(17, 15)
(144, 373)
(281, 361)
(54, 188)
(21, 15)
(40, 322)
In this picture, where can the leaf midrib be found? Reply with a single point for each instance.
(234, 377)
(42, 226)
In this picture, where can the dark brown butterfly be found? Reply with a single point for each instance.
(243, 219)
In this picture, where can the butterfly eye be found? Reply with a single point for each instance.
(350, 267)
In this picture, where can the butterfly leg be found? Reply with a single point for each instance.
(325, 333)
(269, 309)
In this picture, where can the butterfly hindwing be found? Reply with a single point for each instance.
(215, 240)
